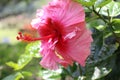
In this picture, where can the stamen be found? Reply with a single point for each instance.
(29, 38)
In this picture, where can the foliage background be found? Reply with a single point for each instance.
(20, 60)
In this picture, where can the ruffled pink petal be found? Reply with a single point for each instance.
(50, 58)
(35, 23)
(76, 48)
(40, 20)
(79, 50)
(66, 12)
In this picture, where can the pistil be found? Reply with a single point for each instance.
(29, 38)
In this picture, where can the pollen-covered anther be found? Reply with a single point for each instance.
(20, 36)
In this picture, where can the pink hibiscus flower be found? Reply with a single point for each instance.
(63, 34)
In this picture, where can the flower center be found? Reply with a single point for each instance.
(46, 31)
(51, 28)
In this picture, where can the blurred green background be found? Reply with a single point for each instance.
(15, 16)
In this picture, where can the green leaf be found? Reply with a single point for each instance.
(113, 8)
(101, 3)
(116, 24)
(33, 49)
(12, 65)
(10, 77)
(73, 70)
(86, 2)
(26, 73)
(23, 61)
(100, 72)
(98, 24)
(104, 60)
(50, 75)
(16, 76)
(102, 56)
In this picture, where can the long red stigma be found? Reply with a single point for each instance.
(29, 38)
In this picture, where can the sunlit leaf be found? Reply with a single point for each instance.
(100, 72)
(116, 24)
(112, 9)
(86, 2)
(18, 76)
(23, 61)
(26, 73)
(50, 75)
(33, 49)
(101, 3)
(12, 65)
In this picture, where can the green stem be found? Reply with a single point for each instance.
(80, 69)
(97, 13)
(110, 24)
(111, 27)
